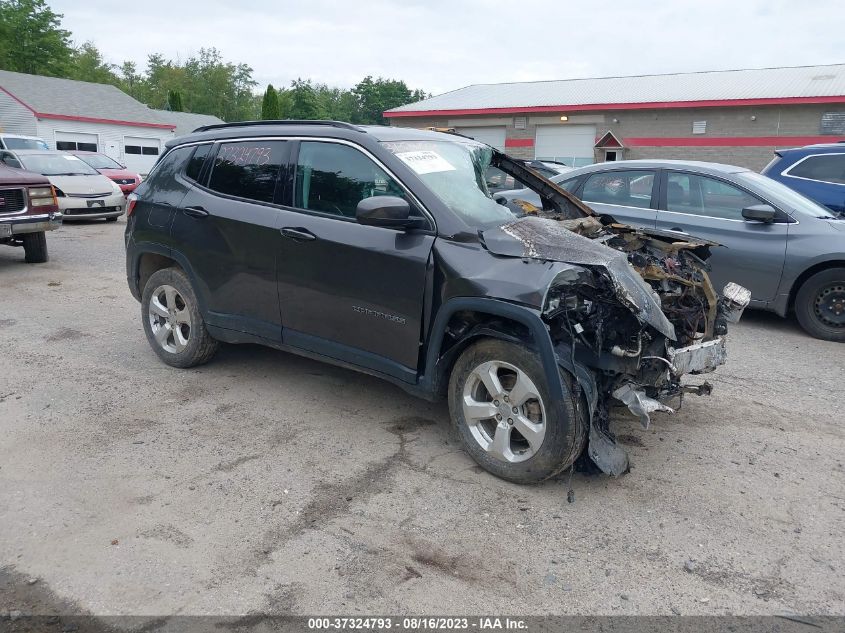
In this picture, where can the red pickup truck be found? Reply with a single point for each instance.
(28, 209)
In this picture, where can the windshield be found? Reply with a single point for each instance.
(98, 161)
(788, 196)
(56, 165)
(455, 172)
(12, 142)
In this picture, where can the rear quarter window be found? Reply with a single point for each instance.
(821, 167)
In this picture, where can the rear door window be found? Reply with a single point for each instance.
(700, 195)
(624, 188)
(248, 169)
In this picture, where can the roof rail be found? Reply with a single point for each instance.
(219, 126)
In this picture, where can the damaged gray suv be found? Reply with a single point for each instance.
(381, 249)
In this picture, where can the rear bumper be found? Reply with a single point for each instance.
(32, 223)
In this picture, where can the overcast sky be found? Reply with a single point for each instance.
(440, 45)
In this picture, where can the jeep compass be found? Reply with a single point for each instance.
(381, 249)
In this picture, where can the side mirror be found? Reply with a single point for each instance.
(390, 212)
(760, 213)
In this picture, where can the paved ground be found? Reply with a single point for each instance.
(264, 482)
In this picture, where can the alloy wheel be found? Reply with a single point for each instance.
(170, 319)
(504, 411)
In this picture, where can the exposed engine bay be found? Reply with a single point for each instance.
(635, 307)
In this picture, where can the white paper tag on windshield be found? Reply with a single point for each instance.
(69, 157)
(425, 161)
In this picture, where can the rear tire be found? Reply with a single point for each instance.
(172, 320)
(35, 247)
(820, 305)
(500, 404)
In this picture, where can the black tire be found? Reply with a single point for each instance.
(198, 346)
(111, 219)
(35, 247)
(820, 305)
(566, 426)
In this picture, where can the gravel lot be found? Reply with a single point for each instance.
(267, 483)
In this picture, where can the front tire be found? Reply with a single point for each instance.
(500, 404)
(35, 247)
(820, 305)
(172, 321)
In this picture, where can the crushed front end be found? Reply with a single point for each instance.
(631, 315)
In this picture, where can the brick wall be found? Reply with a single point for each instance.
(733, 122)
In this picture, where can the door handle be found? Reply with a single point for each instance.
(298, 234)
(195, 212)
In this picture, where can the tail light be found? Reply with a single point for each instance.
(43, 199)
(131, 201)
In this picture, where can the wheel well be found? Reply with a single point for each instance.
(151, 263)
(465, 327)
(812, 270)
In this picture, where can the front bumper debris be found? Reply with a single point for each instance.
(639, 403)
(700, 358)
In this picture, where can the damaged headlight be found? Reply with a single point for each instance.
(560, 292)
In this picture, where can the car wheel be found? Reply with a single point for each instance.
(111, 219)
(172, 320)
(499, 401)
(35, 247)
(820, 305)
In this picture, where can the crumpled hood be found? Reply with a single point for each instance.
(546, 239)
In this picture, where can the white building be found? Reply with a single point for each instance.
(79, 115)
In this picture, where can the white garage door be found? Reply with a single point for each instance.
(140, 153)
(494, 136)
(71, 141)
(570, 144)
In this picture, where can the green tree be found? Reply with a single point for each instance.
(270, 108)
(32, 40)
(131, 82)
(304, 101)
(174, 101)
(87, 64)
(374, 96)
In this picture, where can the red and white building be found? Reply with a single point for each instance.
(79, 115)
(737, 117)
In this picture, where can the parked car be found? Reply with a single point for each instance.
(528, 195)
(788, 250)
(497, 180)
(82, 192)
(380, 249)
(127, 180)
(19, 141)
(28, 209)
(817, 171)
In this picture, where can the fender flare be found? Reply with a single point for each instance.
(528, 317)
(155, 248)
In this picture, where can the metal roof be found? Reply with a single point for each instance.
(52, 98)
(187, 122)
(819, 83)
